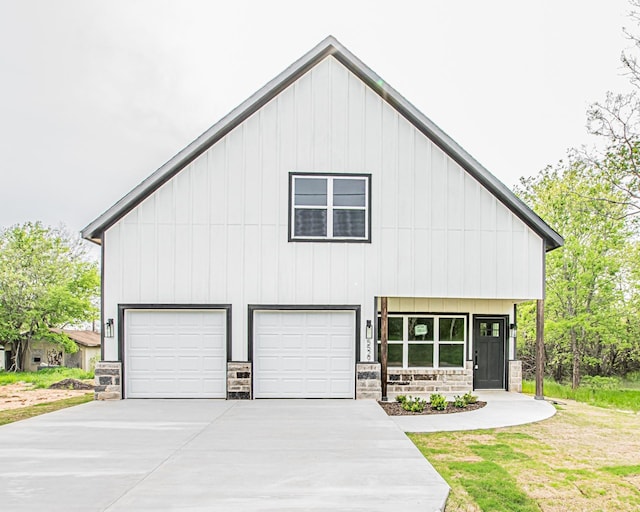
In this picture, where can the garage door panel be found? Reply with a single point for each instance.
(340, 386)
(139, 341)
(267, 364)
(290, 341)
(175, 353)
(292, 386)
(145, 386)
(212, 363)
(317, 385)
(342, 341)
(291, 363)
(300, 354)
(164, 363)
(188, 342)
(318, 341)
(270, 385)
(193, 364)
(341, 364)
(320, 364)
(216, 387)
(269, 341)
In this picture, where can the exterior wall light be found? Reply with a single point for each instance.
(369, 330)
(513, 331)
(108, 328)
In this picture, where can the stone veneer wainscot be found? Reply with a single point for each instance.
(108, 378)
(515, 376)
(423, 382)
(239, 381)
(368, 381)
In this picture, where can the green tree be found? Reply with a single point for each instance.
(589, 297)
(593, 282)
(46, 281)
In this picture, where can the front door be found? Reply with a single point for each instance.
(489, 355)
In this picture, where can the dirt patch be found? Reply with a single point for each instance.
(395, 409)
(21, 394)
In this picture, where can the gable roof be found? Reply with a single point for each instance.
(329, 46)
(84, 338)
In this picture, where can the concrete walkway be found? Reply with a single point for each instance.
(503, 409)
(203, 455)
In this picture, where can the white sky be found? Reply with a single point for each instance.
(94, 96)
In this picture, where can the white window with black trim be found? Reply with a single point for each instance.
(329, 207)
(425, 341)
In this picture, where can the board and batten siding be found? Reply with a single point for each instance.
(218, 231)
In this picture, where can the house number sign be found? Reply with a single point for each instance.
(421, 329)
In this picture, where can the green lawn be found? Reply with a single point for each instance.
(44, 378)
(22, 413)
(624, 399)
(583, 459)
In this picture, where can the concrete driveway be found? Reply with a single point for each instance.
(203, 455)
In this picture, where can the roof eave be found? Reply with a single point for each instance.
(94, 230)
(329, 46)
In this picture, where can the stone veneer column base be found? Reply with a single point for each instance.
(238, 381)
(108, 377)
(515, 376)
(368, 382)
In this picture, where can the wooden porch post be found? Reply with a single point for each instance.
(384, 338)
(540, 349)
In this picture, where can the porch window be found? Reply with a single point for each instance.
(425, 341)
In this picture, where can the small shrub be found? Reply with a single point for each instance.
(414, 404)
(459, 402)
(438, 402)
(632, 377)
(469, 398)
(401, 399)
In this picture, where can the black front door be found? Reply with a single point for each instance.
(489, 355)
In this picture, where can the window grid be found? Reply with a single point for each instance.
(435, 341)
(329, 207)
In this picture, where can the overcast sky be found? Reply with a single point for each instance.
(96, 95)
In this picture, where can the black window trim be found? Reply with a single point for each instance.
(291, 238)
(465, 343)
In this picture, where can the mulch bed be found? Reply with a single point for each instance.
(395, 409)
(71, 384)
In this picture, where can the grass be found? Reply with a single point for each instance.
(582, 459)
(624, 399)
(44, 378)
(631, 381)
(22, 413)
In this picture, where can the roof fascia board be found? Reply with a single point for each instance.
(207, 139)
(329, 46)
(552, 239)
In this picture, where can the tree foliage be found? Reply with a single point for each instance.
(616, 120)
(591, 302)
(45, 281)
(592, 324)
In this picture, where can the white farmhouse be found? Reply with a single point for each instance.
(253, 263)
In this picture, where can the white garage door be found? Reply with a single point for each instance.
(304, 354)
(175, 353)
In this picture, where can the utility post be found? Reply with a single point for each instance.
(384, 338)
(539, 349)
